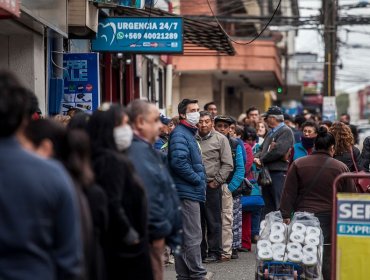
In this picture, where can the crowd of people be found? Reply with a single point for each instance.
(113, 194)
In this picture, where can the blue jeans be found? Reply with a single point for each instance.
(272, 194)
(256, 220)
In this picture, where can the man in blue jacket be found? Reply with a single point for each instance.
(40, 231)
(164, 213)
(185, 161)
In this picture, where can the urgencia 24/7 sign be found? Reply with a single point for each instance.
(140, 35)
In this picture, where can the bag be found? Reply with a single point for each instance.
(264, 178)
(362, 184)
(245, 188)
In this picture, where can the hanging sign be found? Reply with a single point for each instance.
(156, 35)
(81, 82)
(353, 236)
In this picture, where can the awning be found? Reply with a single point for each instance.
(200, 38)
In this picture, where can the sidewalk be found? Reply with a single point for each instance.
(240, 269)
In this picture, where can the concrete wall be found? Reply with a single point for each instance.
(198, 87)
(24, 54)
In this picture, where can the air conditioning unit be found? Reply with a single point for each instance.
(83, 18)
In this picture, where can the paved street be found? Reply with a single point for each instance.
(240, 269)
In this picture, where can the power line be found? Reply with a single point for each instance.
(255, 38)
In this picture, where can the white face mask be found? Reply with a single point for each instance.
(193, 118)
(123, 137)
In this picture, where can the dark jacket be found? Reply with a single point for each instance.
(185, 161)
(346, 158)
(127, 207)
(164, 212)
(274, 156)
(98, 204)
(40, 235)
(365, 154)
(319, 198)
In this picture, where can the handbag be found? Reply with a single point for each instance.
(362, 184)
(244, 189)
(264, 178)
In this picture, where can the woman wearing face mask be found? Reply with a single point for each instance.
(305, 147)
(126, 244)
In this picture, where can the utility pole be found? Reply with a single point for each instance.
(330, 15)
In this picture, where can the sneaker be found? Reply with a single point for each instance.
(210, 259)
(234, 254)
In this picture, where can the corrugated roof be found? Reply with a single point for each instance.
(200, 38)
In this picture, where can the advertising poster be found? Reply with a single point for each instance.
(353, 236)
(81, 82)
(329, 108)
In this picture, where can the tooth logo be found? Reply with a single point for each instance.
(113, 28)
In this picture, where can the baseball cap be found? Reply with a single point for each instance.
(164, 119)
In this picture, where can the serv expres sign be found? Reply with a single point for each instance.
(157, 35)
(353, 236)
(9, 7)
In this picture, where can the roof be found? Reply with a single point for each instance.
(200, 38)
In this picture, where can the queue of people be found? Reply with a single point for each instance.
(108, 195)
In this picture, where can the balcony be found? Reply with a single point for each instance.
(258, 62)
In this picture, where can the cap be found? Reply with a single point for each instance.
(225, 119)
(274, 110)
(164, 119)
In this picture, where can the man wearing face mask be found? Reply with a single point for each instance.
(185, 161)
(164, 212)
(305, 147)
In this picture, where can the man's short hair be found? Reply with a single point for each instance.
(183, 105)
(137, 108)
(205, 113)
(15, 104)
(208, 104)
(250, 109)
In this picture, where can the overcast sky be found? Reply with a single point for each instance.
(356, 61)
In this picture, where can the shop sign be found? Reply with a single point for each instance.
(151, 35)
(81, 81)
(9, 7)
(353, 236)
(312, 87)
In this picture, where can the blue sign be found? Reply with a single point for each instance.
(81, 81)
(140, 35)
(353, 218)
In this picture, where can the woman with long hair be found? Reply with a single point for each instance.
(308, 188)
(126, 244)
(345, 151)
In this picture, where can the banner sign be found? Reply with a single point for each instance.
(353, 236)
(81, 82)
(9, 7)
(156, 35)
